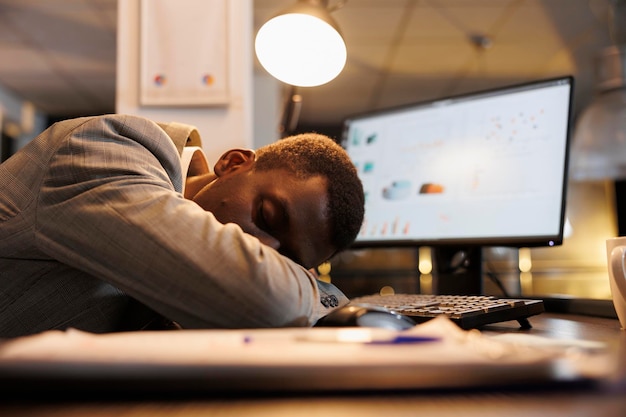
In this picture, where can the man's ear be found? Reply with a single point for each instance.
(234, 159)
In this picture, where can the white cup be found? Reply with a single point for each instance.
(616, 257)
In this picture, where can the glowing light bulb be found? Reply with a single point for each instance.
(300, 49)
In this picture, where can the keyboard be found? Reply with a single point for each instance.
(467, 311)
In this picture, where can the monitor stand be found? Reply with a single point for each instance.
(457, 270)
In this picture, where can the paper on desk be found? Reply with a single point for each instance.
(286, 347)
(587, 357)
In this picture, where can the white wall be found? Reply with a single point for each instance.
(221, 128)
(267, 109)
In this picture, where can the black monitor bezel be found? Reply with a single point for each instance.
(496, 241)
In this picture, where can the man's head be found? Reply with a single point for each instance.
(300, 195)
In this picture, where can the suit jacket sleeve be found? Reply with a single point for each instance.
(110, 205)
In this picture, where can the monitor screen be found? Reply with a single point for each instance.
(487, 168)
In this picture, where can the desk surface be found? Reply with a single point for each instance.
(609, 400)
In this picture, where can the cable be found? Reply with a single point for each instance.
(496, 280)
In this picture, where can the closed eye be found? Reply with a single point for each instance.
(261, 218)
(273, 218)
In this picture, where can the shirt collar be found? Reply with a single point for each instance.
(182, 135)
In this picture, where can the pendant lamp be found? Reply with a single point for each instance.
(302, 45)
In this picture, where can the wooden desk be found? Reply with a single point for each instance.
(609, 400)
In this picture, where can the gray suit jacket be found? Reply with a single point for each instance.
(92, 218)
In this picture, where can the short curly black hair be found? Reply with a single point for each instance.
(312, 154)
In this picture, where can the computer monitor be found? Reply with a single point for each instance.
(464, 172)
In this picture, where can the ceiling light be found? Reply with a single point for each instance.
(302, 45)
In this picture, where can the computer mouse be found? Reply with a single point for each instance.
(366, 315)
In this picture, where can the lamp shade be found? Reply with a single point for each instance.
(302, 46)
(599, 142)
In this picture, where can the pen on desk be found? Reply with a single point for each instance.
(406, 339)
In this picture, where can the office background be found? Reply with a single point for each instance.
(68, 58)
